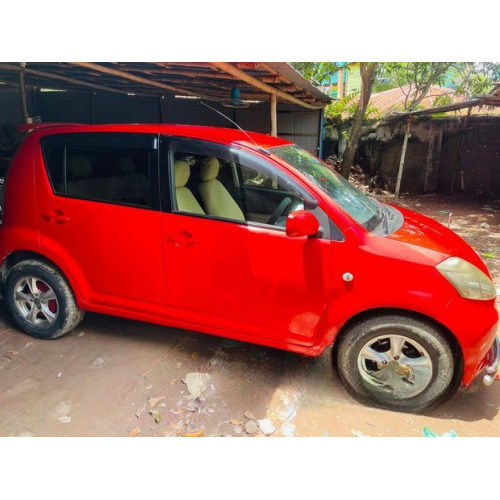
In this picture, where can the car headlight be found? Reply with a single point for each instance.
(469, 281)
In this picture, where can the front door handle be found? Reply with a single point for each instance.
(56, 216)
(182, 238)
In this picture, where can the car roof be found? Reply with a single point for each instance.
(216, 134)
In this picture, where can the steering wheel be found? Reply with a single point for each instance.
(280, 210)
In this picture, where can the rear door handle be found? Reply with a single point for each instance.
(56, 216)
(182, 238)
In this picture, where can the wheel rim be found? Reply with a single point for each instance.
(36, 301)
(395, 364)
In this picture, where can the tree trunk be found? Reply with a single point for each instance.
(368, 72)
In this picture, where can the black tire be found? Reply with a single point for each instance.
(354, 369)
(69, 314)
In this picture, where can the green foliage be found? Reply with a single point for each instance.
(465, 78)
(473, 79)
(418, 75)
(334, 110)
(382, 84)
(489, 255)
(403, 73)
(442, 100)
(344, 109)
(318, 72)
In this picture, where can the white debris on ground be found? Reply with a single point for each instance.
(286, 403)
(288, 429)
(283, 409)
(266, 426)
(197, 383)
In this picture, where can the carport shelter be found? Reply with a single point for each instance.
(270, 98)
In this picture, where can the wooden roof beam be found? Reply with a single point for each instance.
(245, 77)
(194, 74)
(189, 64)
(56, 76)
(138, 79)
(246, 65)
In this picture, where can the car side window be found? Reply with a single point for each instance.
(226, 183)
(104, 167)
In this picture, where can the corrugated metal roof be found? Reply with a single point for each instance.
(295, 77)
(395, 99)
(196, 79)
(488, 104)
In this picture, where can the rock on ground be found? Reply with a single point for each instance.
(197, 383)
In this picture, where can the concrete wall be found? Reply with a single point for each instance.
(443, 155)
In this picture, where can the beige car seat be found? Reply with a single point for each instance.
(186, 202)
(129, 186)
(79, 185)
(214, 195)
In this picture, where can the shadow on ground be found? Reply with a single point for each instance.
(102, 374)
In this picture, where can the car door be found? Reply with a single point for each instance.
(240, 276)
(102, 212)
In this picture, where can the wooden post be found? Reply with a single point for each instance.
(340, 84)
(23, 93)
(402, 161)
(274, 116)
(92, 108)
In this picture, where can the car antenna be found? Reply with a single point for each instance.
(265, 151)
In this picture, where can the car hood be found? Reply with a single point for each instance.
(425, 232)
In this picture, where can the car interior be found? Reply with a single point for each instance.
(206, 185)
(108, 177)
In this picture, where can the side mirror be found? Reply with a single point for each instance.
(301, 223)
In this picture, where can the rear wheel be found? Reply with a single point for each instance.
(40, 300)
(396, 362)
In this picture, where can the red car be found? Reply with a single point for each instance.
(243, 236)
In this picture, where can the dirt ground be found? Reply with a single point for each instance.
(115, 377)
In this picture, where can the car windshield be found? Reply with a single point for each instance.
(364, 210)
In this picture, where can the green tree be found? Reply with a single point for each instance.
(318, 72)
(473, 79)
(414, 78)
(368, 72)
(342, 110)
(465, 78)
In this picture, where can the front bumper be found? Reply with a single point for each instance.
(492, 363)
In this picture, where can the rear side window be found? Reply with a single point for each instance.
(106, 167)
(53, 152)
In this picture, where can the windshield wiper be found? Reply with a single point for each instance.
(382, 215)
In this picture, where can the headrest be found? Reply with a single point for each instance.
(182, 172)
(79, 166)
(209, 168)
(126, 165)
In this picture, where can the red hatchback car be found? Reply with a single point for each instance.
(244, 236)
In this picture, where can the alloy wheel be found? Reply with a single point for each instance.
(396, 364)
(36, 301)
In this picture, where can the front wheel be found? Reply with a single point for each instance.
(40, 300)
(396, 362)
